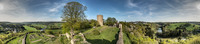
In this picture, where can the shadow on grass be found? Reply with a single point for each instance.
(103, 41)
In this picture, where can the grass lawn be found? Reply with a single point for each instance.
(175, 25)
(30, 28)
(107, 35)
(18, 40)
(38, 25)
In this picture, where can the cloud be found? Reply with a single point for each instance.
(131, 4)
(150, 13)
(20, 11)
(168, 11)
(151, 7)
(198, 6)
(57, 7)
(1, 7)
(187, 11)
(116, 10)
(134, 12)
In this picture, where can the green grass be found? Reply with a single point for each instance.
(30, 28)
(54, 32)
(190, 28)
(46, 39)
(38, 25)
(175, 25)
(37, 36)
(59, 40)
(193, 39)
(18, 40)
(107, 35)
(126, 39)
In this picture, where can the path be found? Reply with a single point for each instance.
(120, 39)
(36, 40)
(24, 40)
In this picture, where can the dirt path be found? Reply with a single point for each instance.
(49, 35)
(24, 40)
(36, 40)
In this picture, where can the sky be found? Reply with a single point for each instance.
(122, 10)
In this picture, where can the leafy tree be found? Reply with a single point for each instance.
(85, 24)
(110, 21)
(73, 14)
(94, 23)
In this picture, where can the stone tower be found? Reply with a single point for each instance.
(100, 19)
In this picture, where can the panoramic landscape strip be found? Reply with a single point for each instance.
(99, 22)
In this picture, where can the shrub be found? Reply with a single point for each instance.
(195, 41)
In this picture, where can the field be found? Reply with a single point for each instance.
(190, 27)
(18, 40)
(28, 28)
(102, 35)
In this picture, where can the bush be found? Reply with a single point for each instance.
(94, 23)
(195, 41)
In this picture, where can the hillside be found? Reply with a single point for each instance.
(102, 35)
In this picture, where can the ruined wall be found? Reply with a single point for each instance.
(100, 19)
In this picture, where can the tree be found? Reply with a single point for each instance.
(94, 23)
(110, 21)
(73, 14)
(85, 24)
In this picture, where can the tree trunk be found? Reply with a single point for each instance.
(72, 35)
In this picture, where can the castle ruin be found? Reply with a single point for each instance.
(100, 19)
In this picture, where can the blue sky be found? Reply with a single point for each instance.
(122, 10)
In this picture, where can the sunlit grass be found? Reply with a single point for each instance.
(18, 40)
(28, 28)
(106, 33)
(175, 25)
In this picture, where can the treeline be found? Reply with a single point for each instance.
(83, 25)
(179, 30)
(11, 27)
(145, 32)
(140, 32)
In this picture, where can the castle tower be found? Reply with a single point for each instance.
(100, 19)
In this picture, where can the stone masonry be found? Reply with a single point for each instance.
(100, 19)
